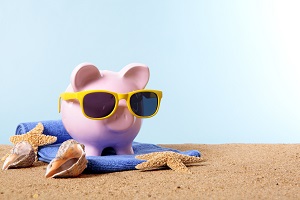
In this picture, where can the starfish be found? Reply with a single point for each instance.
(175, 161)
(35, 137)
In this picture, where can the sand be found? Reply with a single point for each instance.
(232, 171)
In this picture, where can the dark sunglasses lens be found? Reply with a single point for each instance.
(98, 104)
(144, 104)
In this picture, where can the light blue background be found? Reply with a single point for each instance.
(229, 70)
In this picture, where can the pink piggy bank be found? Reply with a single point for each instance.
(103, 109)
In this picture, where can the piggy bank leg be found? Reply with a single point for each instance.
(124, 150)
(93, 151)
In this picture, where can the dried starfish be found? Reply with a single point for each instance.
(35, 137)
(175, 161)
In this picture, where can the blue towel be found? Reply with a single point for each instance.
(51, 127)
(109, 162)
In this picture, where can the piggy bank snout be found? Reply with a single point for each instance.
(121, 120)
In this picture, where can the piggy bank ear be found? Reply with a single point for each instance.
(138, 73)
(83, 74)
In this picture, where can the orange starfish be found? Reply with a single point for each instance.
(35, 137)
(175, 161)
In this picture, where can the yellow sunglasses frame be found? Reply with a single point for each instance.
(118, 96)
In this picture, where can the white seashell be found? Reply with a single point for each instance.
(22, 155)
(70, 161)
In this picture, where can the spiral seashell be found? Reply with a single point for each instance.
(21, 155)
(70, 161)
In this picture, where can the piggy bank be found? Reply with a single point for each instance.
(95, 107)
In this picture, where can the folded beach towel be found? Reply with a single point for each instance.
(51, 127)
(110, 162)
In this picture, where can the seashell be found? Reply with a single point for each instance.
(70, 161)
(22, 155)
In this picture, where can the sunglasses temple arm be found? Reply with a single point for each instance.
(59, 102)
(65, 96)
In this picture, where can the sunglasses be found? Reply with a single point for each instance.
(101, 104)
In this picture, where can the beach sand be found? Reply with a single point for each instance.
(231, 171)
